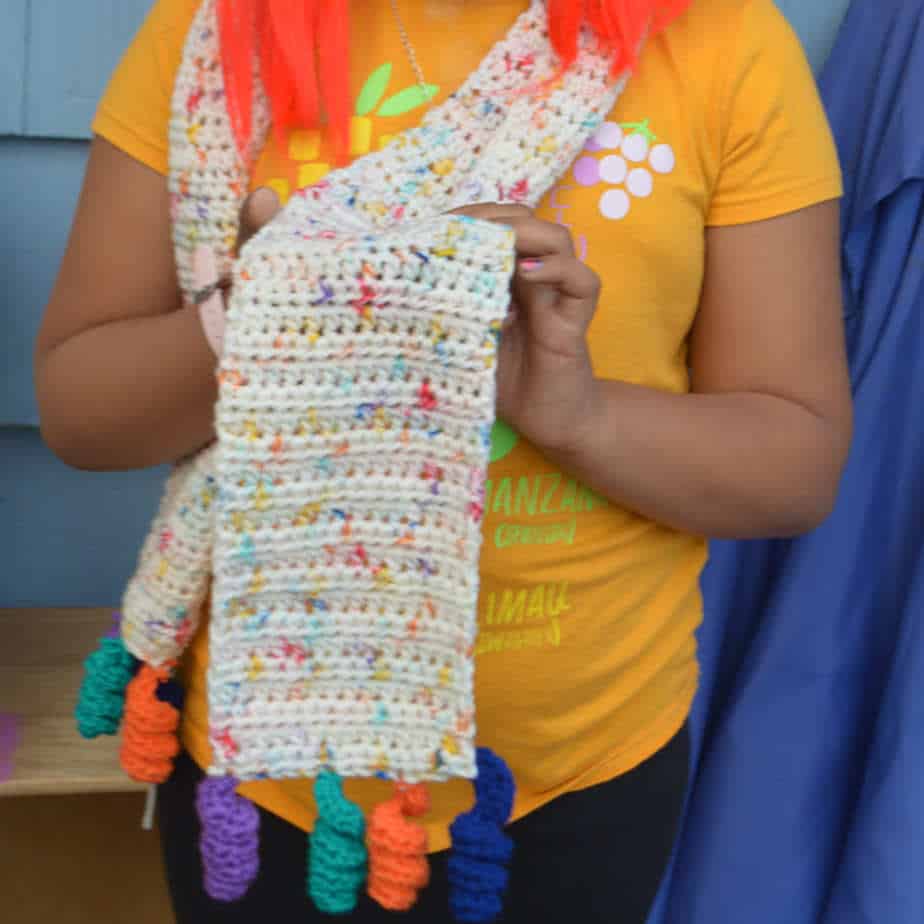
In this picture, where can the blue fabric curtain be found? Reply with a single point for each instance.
(808, 799)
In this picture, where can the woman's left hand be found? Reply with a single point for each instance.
(545, 381)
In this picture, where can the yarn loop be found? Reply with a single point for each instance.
(398, 865)
(149, 737)
(336, 852)
(481, 852)
(101, 701)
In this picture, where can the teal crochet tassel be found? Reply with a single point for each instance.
(102, 693)
(337, 851)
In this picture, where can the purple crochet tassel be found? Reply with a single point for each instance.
(115, 630)
(230, 841)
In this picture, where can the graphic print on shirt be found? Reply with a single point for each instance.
(537, 509)
(627, 157)
(503, 439)
(372, 104)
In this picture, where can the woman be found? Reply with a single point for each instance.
(674, 370)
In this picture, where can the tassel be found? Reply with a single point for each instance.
(481, 851)
(398, 865)
(229, 843)
(101, 700)
(149, 740)
(337, 854)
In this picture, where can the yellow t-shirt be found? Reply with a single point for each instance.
(586, 658)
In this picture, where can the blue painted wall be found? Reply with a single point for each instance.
(70, 538)
(66, 537)
(817, 22)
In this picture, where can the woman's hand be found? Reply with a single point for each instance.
(545, 381)
(259, 209)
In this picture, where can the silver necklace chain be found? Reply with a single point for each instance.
(408, 47)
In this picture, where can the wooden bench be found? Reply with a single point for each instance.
(75, 851)
(41, 666)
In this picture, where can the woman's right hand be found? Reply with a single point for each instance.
(259, 208)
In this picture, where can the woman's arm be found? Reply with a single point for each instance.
(758, 448)
(124, 375)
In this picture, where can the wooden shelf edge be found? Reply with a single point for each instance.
(41, 668)
(38, 787)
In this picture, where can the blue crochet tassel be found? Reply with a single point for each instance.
(102, 693)
(481, 851)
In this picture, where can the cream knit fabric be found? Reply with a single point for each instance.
(340, 510)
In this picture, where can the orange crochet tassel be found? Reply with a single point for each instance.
(149, 728)
(398, 865)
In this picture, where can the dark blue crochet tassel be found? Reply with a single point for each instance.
(478, 865)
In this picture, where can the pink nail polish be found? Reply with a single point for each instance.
(530, 265)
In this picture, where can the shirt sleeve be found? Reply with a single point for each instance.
(777, 151)
(134, 112)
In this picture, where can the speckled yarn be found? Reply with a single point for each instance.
(340, 510)
(149, 731)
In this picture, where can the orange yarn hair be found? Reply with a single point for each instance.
(303, 50)
(620, 26)
(303, 47)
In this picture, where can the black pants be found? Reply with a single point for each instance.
(590, 857)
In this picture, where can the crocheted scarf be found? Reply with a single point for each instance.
(339, 512)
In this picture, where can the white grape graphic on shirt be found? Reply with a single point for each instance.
(633, 158)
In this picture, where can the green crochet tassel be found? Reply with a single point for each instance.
(337, 852)
(102, 694)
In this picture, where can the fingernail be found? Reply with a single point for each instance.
(530, 265)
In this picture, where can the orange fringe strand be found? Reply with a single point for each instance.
(149, 728)
(398, 865)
